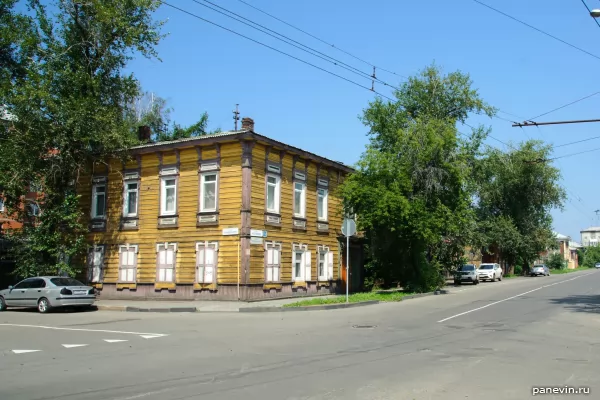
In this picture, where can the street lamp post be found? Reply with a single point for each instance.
(595, 13)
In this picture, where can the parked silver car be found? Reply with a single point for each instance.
(47, 292)
(540, 269)
(466, 273)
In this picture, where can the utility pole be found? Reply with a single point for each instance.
(533, 123)
(597, 211)
(236, 117)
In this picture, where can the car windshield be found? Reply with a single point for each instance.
(66, 282)
(468, 268)
(538, 266)
(486, 266)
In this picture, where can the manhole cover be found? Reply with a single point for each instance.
(364, 326)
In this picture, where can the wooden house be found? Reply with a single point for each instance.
(232, 215)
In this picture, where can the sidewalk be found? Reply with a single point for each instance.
(192, 305)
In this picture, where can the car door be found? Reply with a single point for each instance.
(498, 271)
(16, 294)
(33, 292)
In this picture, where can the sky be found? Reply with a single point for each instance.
(517, 69)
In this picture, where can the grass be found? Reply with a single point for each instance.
(353, 298)
(509, 276)
(568, 271)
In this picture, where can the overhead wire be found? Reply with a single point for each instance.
(321, 40)
(537, 29)
(275, 49)
(564, 105)
(290, 41)
(578, 141)
(590, 11)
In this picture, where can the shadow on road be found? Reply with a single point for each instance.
(580, 303)
(58, 310)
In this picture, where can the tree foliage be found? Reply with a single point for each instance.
(591, 256)
(62, 77)
(410, 189)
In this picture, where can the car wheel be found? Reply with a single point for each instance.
(43, 305)
(500, 278)
(476, 282)
(2, 304)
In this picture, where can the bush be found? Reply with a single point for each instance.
(518, 270)
(556, 261)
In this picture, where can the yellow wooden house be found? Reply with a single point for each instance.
(233, 215)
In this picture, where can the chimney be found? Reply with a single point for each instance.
(144, 134)
(247, 124)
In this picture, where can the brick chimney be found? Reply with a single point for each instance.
(247, 124)
(144, 134)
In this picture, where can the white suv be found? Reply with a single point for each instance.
(489, 272)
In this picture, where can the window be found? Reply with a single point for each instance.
(322, 204)
(206, 261)
(37, 284)
(23, 284)
(273, 260)
(299, 199)
(273, 191)
(168, 196)
(130, 202)
(65, 282)
(1, 205)
(95, 263)
(34, 210)
(325, 263)
(166, 262)
(208, 199)
(99, 200)
(127, 263)
(300, 263)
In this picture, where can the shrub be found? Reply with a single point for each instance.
(518, 270)
(556, 261)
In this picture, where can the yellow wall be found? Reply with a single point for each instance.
(285, 233)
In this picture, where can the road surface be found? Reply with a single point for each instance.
(492, 341)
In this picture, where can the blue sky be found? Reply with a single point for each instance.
(515, 68)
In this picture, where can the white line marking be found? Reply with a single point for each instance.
(115, 340)
(150, 336)
(84, 330)
(70, 346)
(24, 351)
(510, 298)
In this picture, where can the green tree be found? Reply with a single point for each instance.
(411, 188)
(515, 196)
(65, 84)
(556, 261)
(591, 256)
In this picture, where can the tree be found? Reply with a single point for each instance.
(411, 189)
(556, 261)
(514, 198)
(65, 84)
(591, 256)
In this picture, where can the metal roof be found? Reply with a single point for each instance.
(591, 229)
(235, 135)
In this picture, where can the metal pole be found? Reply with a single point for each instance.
(347, 265)
(238, 267)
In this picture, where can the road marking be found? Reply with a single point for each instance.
(150, 336)
(114, 340)
(70, 346)
(85, 330)
(24, 351)
(510, 298)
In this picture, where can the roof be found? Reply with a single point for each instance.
(575, 245)
(591, 229)
(561, 236)
(235, 135)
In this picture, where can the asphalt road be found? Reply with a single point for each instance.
(491, 341)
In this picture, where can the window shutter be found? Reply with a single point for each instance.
(210, 264)
(330, 265)
(307, 263)
(276, 264)
(200, 263)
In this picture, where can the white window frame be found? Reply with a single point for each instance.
(92, 267)
(201, 267)
(325, 266)
(163, 195)
(301, 250)
(126, 194)
(323, 216)
(166, 268)
(203, 182)
(1, 205)
(277, 193)
(94, 211)
(302, 212)
(34, 209)
(128, 269)
(272, 268)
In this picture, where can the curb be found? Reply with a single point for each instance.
(307, 308)
(321, 307)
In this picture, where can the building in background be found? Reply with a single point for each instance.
(590, 236)
(225, 216)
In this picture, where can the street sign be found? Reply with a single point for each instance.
(256, 240)
(348, 227)
(258, 233)
(231, 231)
